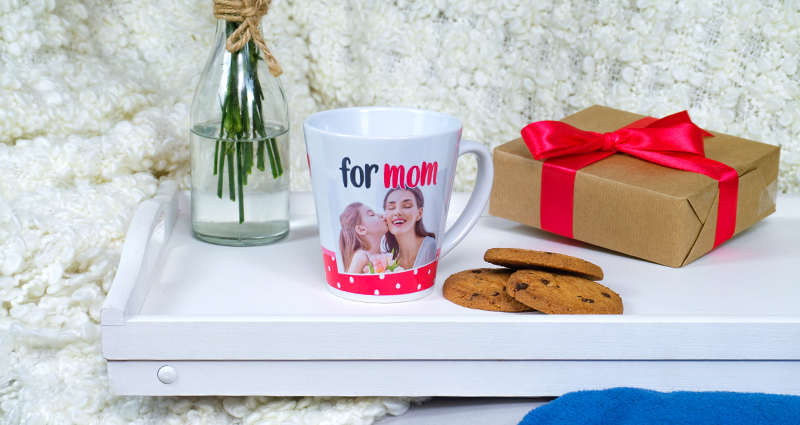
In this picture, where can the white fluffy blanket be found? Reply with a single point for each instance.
(94, 110)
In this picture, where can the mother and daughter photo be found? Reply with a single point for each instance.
(390, 242)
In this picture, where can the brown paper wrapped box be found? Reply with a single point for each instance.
(638, 208)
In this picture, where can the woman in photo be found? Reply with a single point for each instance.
(360, 237)
(412, 245)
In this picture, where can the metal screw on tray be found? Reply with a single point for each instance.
(239, 135)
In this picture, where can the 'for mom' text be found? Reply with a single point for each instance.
(394, 176)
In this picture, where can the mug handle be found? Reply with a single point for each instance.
(477, 201)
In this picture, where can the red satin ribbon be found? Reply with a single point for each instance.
(673, 141)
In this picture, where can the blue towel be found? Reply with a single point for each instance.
(629, 406)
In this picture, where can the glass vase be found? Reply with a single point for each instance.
(239, 148)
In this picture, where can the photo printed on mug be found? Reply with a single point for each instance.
(384, 230)
(382, 179)
(386, 224)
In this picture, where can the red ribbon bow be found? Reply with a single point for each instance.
(674, 141)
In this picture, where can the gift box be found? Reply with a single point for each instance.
(668, 191)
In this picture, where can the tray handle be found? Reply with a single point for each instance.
(144, 243)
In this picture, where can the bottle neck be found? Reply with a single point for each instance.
(222, 27)
(225, 29)
(220, 36)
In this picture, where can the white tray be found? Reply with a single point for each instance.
(259, 321)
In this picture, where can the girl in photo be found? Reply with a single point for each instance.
(360, 237)
(413, 245)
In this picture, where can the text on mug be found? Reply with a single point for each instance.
(393, 175)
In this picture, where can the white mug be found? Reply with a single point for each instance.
(382, 179)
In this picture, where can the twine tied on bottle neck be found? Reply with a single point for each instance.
(249, 14)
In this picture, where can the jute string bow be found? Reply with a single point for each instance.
(249, 13)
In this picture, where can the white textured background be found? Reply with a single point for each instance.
(94, 111)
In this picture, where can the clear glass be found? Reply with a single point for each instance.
(240, 149)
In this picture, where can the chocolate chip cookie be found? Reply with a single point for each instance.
(527, 259)
(483, 289)
(553, 293)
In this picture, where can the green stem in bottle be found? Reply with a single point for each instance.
(245, 113)
(271, 154)
(216, 147)
(274, 143)
(231, 181)
(249, 157)
(221, 168)
(260, 155)
(216, 154)
(242, 176)
(242, 147)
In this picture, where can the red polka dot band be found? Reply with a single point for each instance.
(383, 284)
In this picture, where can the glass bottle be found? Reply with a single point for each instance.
(239, 148)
